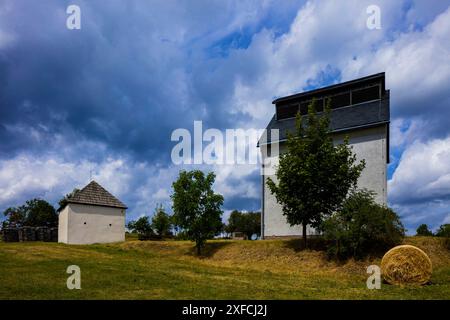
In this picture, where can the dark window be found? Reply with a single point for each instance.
(319, 105)
(85, 223)
(340, 100)
(304, 107)
(287, 111)
(367, 94)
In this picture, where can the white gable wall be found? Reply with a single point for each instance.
(62, 224)
(87, 224)
(368, 144)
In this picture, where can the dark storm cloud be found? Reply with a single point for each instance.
(117, 88)
(244, 202)
(125, 79)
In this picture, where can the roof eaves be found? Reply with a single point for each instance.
(328, 88)
(96, 204)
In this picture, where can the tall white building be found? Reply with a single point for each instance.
(360, 110)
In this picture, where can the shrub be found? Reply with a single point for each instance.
(362, 227)
(423, 230)
(447, 243)
(161, 222)
(34, 213)
(443, 231)
(142, 227)
(248, 223)
(148, 236)
(182, 236)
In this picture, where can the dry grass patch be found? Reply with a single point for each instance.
(41, 251)
(272, 269)
(279, 255)
(434, 247)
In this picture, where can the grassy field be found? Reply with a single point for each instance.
(272, 269)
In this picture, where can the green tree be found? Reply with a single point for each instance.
(234, 222)
(63, 202)
(423, 230)
(15, 217)
(314, 176)
(443, 231)
(161, 222)
(248, 223)
(196, 207)
(141, 226)
(34, 213)
(362, 227)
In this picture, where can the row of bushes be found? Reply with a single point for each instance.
(443, 231)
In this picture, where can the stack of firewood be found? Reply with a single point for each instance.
(27, 234)
(10, 234)
(53, 234)
(42, 234)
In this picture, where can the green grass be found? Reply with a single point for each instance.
(272, 269)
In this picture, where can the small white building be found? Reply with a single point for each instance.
(92, 215)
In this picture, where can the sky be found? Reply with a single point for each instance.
(102, 101)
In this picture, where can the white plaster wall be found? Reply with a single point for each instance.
(62, 225)
(95, 224)
(275, 224)
(368, 144)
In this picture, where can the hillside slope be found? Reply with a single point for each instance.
(273, 269)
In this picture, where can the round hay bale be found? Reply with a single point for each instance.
(406, 264)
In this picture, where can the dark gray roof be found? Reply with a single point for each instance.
(336, 87)
(95, 194)
(342, 119)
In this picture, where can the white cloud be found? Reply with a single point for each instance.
(417, 66)
(50, 177)
(26, 174)
(333, 34)
(232, 181)
(404, 132)
(447, 219)
(423, 173)
(161, 194)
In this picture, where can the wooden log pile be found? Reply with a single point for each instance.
(42, 234)
(10, 234)
(27, 234)
(53, 234)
